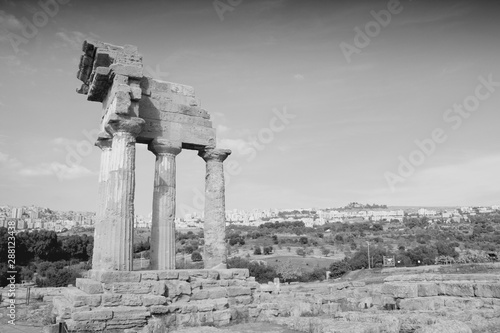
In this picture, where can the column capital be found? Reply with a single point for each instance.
(104, 141)
(162, 147)
(119, 123)
(214, 154)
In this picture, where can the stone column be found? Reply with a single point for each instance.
(215, 255)
(163, 220)
(116, 239)
(104, 142)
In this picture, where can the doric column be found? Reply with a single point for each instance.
(215, 254)
(118, 218)
(162, 251)
(104, 142)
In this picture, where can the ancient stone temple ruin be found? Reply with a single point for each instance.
(168, 118)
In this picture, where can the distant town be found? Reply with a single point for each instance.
(35, 218)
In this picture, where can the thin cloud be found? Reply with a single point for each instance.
(222, 128)
(465, 183)
(236, 145)
(9, 22)
(7, 162)
(299, 77)
(270, 5)
(61, 171)
(12, 165)
(434, 16)
(73, 39)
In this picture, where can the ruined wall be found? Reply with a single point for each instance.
(115, 301)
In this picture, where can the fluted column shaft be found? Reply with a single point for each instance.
(215, 254)
(162, 252)
(116, 231)
(103, 142)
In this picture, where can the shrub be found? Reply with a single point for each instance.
(339, 268)
(262, 273)
(268, 250)
(196, 256)
(57, 278)
(257, 251)
(288, 271)
(319, 273)
(301, 252)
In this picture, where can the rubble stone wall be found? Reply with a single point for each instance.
(118, 301)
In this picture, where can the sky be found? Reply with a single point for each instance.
(322, 102)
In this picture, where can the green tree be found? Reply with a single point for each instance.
(196, 256)
(288, 271)
(339, 268)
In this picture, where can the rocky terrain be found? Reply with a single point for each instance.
(396, 300)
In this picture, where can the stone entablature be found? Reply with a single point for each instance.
(113, 301)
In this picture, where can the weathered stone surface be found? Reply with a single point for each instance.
(400, 290)
(197, 273)
(149, 276)
(97, 314)
(490, 290)
(183, 275)
(163, 218)
(448, 326)
(462, 289)
(186, 319)
(218, 292)
(208, 283)
(117, 221)
(205, 317)
(89, 286)
(222, 317)
(111, 299)
(79, 298)
(241, 273)
(131, 71)
(168, 275)
(85, 326)
(463, 303)
(427, 289)
(238, 291)
(131, 300)
(62, 307)
(177, 288)
(148, 300)
(199, 295)
(159, 309)
(119, 325)
(130, 313)
(422, 303)
(240, 300)
(131, 288)
(226, 274)
(215, 221)
(212, 274)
